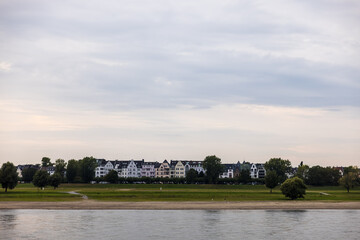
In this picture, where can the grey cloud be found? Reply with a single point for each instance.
(52, 47)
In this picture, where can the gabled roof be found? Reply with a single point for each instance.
(259, 165)
(192, 163)
(149, 163)
(101, 162)
(173, 163)
(26, 166)
(122, 164)
(139, 163)
(228, 166)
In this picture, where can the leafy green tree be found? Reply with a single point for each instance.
(8, 176)
(28, 174)
(280, 166)
(111, 177)
(355, 170)
(212, 166)
(41, 179)
(320, 176)
(316, 176)
(45, 162)
(351, 169)
(71, 171)
(244, 176)
(303, 172)
(271, 180)
(191, 176)
(349, 180)
(87, 169)
(55, 180)
(293, 188)
(60, 167)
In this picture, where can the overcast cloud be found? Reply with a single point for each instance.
(245, 80)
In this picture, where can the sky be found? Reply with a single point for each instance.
(155, 80)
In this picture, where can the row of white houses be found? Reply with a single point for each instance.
(174, 168)
(170, 169)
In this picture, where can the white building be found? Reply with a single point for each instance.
(148, 169)
(257, 170)
(196, 165)
(228, 171)
(103, 168)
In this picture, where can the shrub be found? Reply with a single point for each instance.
(293, 188)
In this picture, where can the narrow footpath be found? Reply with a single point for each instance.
(76, 193)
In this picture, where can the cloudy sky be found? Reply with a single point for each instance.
(133, 79)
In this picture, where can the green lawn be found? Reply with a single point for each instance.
(170, 192)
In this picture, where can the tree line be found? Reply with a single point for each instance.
(277, 172)
(80, 171)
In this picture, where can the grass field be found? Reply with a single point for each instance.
(170, 192)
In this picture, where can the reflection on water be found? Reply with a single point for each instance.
(179, 224)
(7, 220)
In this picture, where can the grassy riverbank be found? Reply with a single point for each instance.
(170, 192)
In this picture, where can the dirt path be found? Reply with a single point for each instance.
(92, 204)
(76, 193)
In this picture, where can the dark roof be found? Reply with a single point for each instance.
(122, 163)
(192, 162)
(26, 166)
(149, 163)
(101, 162)
(173, 163)
(139, 163)
(228, 166)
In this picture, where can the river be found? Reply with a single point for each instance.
(179, 224)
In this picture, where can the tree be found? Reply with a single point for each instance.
(303, 172)
(111, 177)
(280, 166)
(271, 180)
(71, 171)
(353, 169)
(45, 162)
(320, 176)
(293, 188)
(244, 176)
(28, 174)
(212, 166)
(349, 180)
(60, 167)
(41, 179)
(55, 180)
(87, 169)
(191, 176)
(8, 176)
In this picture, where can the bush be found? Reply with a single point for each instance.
(293, 188)
(55, 180)
(111, 177)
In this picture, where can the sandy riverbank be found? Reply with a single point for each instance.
(91, 204)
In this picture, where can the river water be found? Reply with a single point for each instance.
(179, 224)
